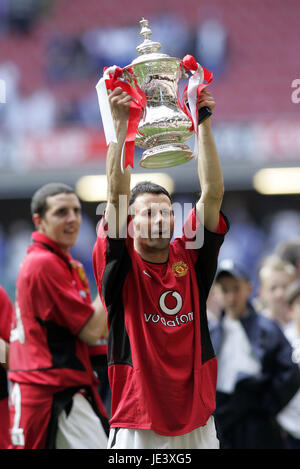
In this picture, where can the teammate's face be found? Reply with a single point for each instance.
(153, 221)
(233, 294)
(62, 220)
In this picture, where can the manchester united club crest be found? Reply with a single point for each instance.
(180, 269)
(82, 275)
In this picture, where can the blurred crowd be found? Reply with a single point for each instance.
(73, 59)
(20, 17)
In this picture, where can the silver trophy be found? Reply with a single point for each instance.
(164, 127)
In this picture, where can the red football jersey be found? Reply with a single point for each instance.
(5, 315)
(52, 305)
(162, 366)
(5, 322)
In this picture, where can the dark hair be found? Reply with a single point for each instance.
(39, 198)
(147, 187)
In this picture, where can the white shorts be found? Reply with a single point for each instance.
(81, 429)
(201, 438)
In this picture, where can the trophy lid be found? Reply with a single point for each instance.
(148, 49)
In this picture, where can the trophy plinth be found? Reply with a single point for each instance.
(164, 127)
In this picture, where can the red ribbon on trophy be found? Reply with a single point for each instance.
(200, 78)
(112, 79)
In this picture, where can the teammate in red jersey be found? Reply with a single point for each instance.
(162, 366)
(53, 400)
(5, 321)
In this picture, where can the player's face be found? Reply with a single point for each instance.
(153, 221)
(233, 294)
(62, 220)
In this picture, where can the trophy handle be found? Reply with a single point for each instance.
(203, 114)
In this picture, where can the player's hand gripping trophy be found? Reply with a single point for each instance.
(159, 120)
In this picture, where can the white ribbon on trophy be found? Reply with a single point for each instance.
(104, 106)
(195, 80)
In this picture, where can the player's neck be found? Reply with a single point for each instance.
(151, 254)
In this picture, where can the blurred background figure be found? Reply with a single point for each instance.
(289, 251)
(275, 275)
(256, 375)
(289, 416)
(22, 15)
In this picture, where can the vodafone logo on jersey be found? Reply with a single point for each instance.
(170, 303)
(162, 302)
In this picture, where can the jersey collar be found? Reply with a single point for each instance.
(47, 243)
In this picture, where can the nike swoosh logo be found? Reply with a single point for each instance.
(146, 273)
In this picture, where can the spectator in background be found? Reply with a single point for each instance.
(5, 322)
(256, 376)
(22, 15)
(54, 402)
(274, 276)
(289, 251)
(289, 417)
(276, 225)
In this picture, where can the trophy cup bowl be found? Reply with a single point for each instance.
(164, 127)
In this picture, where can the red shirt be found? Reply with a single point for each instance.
(162, 366)
(52, 305)
(5, 321)
(5, 314)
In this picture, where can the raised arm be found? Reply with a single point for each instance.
(209, 171)
(118, 183)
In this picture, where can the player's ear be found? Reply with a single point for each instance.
(37, 220)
